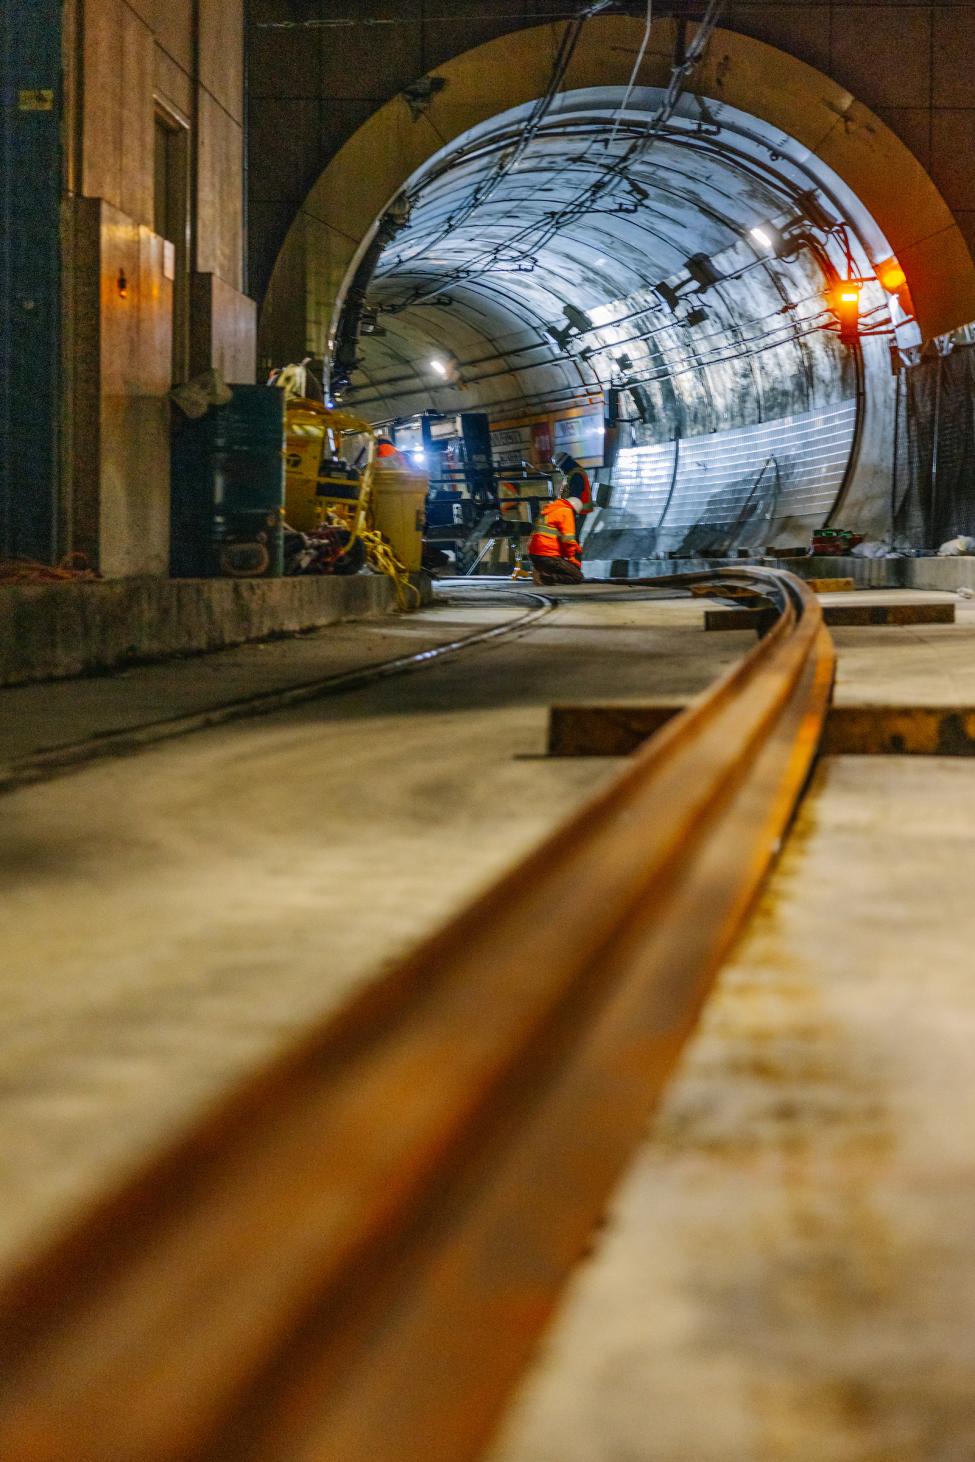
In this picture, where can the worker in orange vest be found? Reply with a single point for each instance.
(553, 548)
(576, 479)
(387, 455)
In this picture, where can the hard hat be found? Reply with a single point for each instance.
(561, 459)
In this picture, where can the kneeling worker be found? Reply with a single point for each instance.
(553, 548)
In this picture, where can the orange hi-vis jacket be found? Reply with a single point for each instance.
(555, 533)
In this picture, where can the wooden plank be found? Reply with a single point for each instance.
(900, 731)
(831, 586)
(839, 615)
(608, 730)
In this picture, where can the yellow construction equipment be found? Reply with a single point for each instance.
(333, 479)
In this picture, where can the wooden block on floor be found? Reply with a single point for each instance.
(605, 730)
(868, 614)
(840, 615)
(899, 731)
(831, 586)
(594, 730)
(737, 618)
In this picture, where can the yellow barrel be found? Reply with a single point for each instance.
(399, 510)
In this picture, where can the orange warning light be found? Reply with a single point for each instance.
(891, 275)
(844, 301)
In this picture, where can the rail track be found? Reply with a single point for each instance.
(69, 757)
(353, 1257)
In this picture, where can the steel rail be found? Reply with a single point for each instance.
(351, 1259)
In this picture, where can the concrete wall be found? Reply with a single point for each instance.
(131, 57)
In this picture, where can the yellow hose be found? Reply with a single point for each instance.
(382, 559)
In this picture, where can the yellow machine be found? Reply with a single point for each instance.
(320, 484)
(333, 479)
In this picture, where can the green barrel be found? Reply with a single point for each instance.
(228, 488)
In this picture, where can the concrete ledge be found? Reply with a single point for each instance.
(948, 574)
(52, 631)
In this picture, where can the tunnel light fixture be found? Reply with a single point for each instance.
(439, 367)
(763, 234)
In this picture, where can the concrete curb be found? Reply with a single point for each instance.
(53, 631)
(945, 574)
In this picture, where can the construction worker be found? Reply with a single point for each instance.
(553, 548)
(389, 456)
(577, 482)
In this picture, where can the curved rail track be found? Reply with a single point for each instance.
(41, 765)
(352, 1258)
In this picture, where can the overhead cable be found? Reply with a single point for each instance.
(535, 235)
(633, 74)
(510, 158)
(465, 18)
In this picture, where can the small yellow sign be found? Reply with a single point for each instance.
(36, 101)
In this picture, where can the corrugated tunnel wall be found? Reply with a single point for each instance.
(735, 488)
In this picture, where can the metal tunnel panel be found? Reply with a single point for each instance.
(748, 486)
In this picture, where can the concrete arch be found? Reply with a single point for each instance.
(812, 112)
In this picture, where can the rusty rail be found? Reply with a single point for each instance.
(351, 1260)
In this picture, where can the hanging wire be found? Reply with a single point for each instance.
(536, 234)
(510, 158)
(633, 75)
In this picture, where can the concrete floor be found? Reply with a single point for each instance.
(788, 1272)
(171, 918)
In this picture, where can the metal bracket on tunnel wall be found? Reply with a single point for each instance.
(30, 274)
(420, 94)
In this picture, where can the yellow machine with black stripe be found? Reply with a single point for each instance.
(321, 485)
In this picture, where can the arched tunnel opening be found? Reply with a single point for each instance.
(699, 303)
(663, 302)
